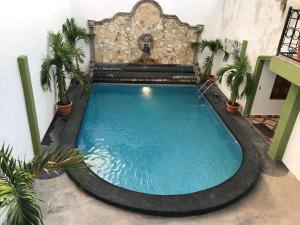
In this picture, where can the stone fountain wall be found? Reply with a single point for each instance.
(116, 39)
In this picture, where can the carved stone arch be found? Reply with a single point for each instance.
(139, 3)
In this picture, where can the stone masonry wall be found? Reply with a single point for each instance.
(116, 39)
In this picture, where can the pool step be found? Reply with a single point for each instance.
(104, 72)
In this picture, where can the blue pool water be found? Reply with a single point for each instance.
(156, 139)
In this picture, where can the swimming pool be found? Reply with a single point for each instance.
(157, 139)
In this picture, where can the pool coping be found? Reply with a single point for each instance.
(66, 132)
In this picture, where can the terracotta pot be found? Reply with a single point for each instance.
(64, 110)
(232, 109)
(211, 79)
(298, 55)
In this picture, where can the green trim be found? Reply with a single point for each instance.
(244, 47)
(286, 123)
(29, 101)
(260, 62)
(286, 68)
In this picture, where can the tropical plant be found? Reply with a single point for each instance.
(235, 75)
(215, 46)
(18, 198)
(59, 64)
(74, 33)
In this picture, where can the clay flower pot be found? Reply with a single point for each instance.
(232, 109)
(64, 110)
(211, 79)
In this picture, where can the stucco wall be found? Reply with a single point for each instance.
(190, 11)
(262, 104)
(260, 22)
(24, 30)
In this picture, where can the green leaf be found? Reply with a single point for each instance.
(17, 195)
(237, 74)
(74, 33)
(62, 62)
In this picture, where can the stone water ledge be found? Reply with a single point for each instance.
(139, 73)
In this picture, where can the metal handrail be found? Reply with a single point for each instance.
(203, 93)
(203, 85)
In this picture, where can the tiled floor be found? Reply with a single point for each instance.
(265, 125)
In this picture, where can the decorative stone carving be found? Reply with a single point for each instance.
(115, 39)
(147, 16)
(145, 42)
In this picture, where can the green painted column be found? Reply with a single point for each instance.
(260, 62)
(29, 101)
(244, 48)
(286, 123)
(286, 68)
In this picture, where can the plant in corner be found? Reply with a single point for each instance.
(236, 75)
(59, 64)
(18, 199)
(215, 47)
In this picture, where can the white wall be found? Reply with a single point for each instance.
(190, 11)
(292, 154)
(24, 27)
(262, 104)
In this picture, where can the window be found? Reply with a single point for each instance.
(280, 89)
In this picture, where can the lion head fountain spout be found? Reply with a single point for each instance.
(146, 44)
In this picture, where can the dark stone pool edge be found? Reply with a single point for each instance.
(66, 131)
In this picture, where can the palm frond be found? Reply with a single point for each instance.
(249, 86)
(201, 45)
(236, 74)
(229, 79)
(55, 158)
(221, 72)
(83, 81)
(78, 54)
(17, 195)
(207, 66)
(45, 74)
(216, 46)
(74, 33)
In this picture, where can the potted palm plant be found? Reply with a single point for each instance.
(18, 198)
(235, 75)
(60, 65)
(215, 47)
(74, 33)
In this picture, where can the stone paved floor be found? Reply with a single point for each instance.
(274, 201)
(269, 121)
